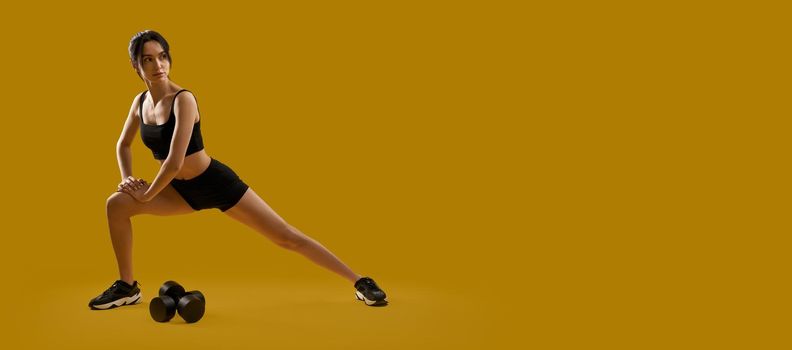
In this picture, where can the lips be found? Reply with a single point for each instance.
(160, 73)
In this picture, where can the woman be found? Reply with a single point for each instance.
(188, 179)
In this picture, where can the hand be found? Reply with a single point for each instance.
(138, 193)
(130, 183)
(135, 188)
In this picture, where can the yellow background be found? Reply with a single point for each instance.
(582, 175)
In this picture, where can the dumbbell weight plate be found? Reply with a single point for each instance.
(162, 308)
(171, 289)
(191, 308)
(198, 294)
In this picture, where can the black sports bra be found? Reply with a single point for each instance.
(158, 137)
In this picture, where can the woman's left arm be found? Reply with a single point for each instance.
(185, 108)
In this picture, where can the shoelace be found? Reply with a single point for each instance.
(109, 290)
(115, 286)
(370, 284)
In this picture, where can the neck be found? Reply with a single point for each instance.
(158, 89)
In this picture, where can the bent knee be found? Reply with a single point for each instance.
(119, 203)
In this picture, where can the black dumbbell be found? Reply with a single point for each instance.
(172, 297)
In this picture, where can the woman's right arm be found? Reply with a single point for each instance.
(124, 144)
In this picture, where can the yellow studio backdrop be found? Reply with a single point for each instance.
(514, 175)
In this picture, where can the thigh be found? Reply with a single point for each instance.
(167, 202)
(252, 211)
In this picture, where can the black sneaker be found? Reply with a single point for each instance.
(119, 294)
(369, 292)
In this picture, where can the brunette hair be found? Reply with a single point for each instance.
(136, 47)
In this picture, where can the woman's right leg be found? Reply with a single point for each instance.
(121, 207)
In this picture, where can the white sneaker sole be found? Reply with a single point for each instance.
(135, 299)
(360, 296)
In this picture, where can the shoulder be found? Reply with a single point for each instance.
(136, 102)
(138, 97)
(184, 98)
(185, 105)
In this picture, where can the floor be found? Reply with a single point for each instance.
(282, 315)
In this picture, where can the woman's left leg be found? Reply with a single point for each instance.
(252, 211)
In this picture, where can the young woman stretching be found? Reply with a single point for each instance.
(188, 179)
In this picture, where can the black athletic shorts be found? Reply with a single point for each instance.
(217, 187)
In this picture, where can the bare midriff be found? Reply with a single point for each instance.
(194, 165)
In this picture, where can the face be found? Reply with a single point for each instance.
(154, 64)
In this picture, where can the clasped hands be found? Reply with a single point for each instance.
(135, 187)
